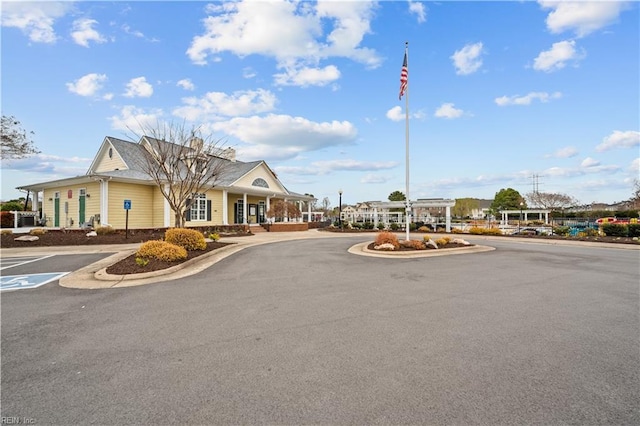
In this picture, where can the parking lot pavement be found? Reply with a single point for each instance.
(302, 332)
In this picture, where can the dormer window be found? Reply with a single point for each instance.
(260, 182)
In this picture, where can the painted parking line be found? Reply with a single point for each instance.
(11, 262)
(19, 282)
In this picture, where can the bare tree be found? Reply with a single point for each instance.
(16, 142)
(634, 201)
(182, 162)
(550, 201)
(326, 203)
(281, 209)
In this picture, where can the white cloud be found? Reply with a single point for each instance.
(307, 76)
(583, 17)
(467, 60)
(448, 110)
(136, 120)
(395, 114)
(293, 33)
(619, 139)
(634, 167)
(589, 162)
(34, 18)
(138, 87)
(557, 57)
(354, 165)
(186, 84)
(127, 29)
(87, 85)
(108, 96)
(319, 168)
(248, 72)
(216, 105)
(83, 32)
(418, 9)
(566, 152)
(284, 136)
(375, 178)
(527, 99)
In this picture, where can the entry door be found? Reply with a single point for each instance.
(253, 213)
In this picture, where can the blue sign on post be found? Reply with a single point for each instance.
(127, 204)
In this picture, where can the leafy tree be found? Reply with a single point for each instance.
(507, 199)
(182, 163)
(551, 201)
(16, 142)
(397, 196)
(464, 206)
(281, 209)
(12, 205)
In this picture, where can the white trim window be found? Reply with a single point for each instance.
(199, 207)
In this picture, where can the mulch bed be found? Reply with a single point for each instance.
(129, 265)
(403, 248)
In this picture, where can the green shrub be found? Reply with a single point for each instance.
(12, 206)
(394, 226)
(190, 239)
(142, 261)
(214, 236)
(561, 230)
(381, 226)
(615, 230)
(385, 237)
(634, 230)
(368, 225)
(161, 250)
(412, 227)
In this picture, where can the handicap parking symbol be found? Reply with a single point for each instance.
(19, 282)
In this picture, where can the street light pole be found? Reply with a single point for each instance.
(340, 209)
(520, 218)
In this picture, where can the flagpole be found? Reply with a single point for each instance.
(407, 204)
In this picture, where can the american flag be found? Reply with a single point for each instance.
(404, 76)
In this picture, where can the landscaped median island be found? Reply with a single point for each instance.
(388, 241)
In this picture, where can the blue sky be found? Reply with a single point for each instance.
(499, 92)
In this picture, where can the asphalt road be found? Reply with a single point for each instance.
(304, 333)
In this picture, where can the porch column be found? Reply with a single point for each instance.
(375, 217)
(244, 208)
(447, 225)
(225, 207)
(309, 211)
